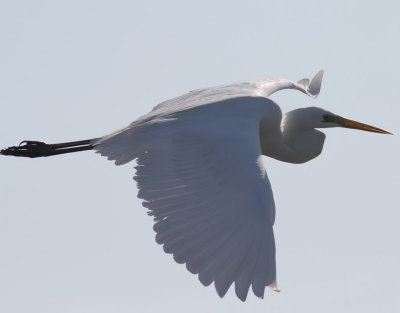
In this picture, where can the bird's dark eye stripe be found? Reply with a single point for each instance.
(325, 116)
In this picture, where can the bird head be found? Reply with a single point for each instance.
(329, 119)
(313, 117)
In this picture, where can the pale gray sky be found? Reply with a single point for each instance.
(73, 235)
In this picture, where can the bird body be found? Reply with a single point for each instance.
(248, 98)
(201, 176)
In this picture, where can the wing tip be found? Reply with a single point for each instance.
(313, 87)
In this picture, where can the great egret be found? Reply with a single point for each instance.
(201, 175)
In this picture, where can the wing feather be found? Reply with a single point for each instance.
(203, 181)
(112, 147)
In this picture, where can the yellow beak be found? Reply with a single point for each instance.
(344, 122)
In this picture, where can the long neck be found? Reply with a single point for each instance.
(292, 144)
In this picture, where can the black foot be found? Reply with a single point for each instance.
(30, 149)
(35, 149)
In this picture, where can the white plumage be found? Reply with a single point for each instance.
(201, 176)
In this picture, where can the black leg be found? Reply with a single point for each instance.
(35, 149)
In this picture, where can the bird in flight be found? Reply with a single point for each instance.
(201, 175)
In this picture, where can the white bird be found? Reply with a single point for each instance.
(201, 175)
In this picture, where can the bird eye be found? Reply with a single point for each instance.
(325, 117)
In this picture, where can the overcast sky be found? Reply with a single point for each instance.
(73, 235)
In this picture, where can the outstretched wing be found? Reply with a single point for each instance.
(207, 189)
(202, 97)
(204, 182)
(256, 88)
